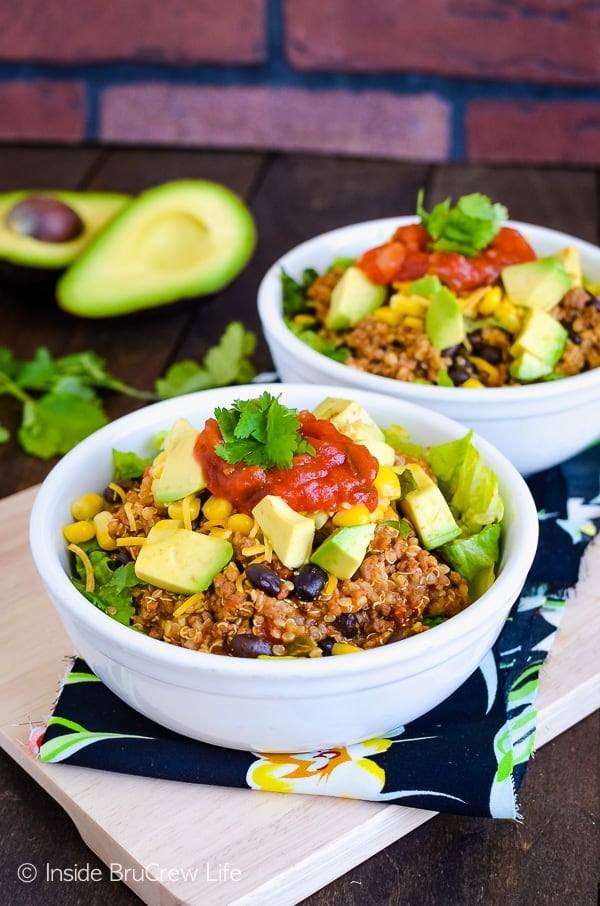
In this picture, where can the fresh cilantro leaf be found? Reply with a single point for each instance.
(226, 363)
(55, 422)
(294, 299)
(4, 434)
(467, 228)
(260, 432)
(407, 483)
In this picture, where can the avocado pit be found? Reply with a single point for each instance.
(45, 219)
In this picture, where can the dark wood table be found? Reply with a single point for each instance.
(549, 858)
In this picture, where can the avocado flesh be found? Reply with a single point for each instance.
(538, 347)
(538, 284)
(353, 298)
(427, 509)
(180, 239)
(181, 561)
(289, 533)
(344, 550)
(95, 209)
(181, 474)
(444, 321)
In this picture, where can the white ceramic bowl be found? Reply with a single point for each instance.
(536, 426)
(289, 705)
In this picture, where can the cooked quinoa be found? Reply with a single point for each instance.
(399, 590)
(403, 350)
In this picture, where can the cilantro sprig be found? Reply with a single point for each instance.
(61, 398)
(260, 432)
(466, 228)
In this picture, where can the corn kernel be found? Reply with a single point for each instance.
(387, 483)
(484, 366)
(490, 302)
(217, 508)
(83, 530)
(408, 305)
(304, 320)
(344, 648)
(411, 321)
(508, 317)
(388, 316)
(175, 509)
(104, 539)
(240, 522)
(378, 513)
(472, 382)
(355, 515)
(87, 507)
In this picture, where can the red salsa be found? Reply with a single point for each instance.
(339, 473)
(407, 257)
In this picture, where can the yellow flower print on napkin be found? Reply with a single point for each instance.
(339, 771)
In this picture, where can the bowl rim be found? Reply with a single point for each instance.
(43, 546)
(270, 312)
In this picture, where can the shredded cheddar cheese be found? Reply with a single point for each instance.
(90, 579)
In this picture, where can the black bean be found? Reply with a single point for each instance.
(309, 581)
(460, 373)
(112, 496)
(491, 354)
(326, 645)
(451, 350)
(247, 645)
(575, 337)
(122, 556)
(475, 338)
(347, 624)
(594, 301)
(264, 578)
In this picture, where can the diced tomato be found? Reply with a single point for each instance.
(383, 263)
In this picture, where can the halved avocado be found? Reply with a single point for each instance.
(180, 239)
(67, 221)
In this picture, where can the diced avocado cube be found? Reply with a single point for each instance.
(181, 561)
(353, 420)
(353, 298)
(427, 509)
(444, 322)
(426, 286)
(536, 284)
(344, 550)
(541, 336)
(182, 473)
(289, 533)
(570, 259)
(527, 367)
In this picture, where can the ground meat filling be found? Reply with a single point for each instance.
(399, 590)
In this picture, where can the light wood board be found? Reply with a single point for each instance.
(190, 844)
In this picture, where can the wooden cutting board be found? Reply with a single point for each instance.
(178, 843)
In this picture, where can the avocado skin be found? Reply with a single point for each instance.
(20, 255)
(132, 264)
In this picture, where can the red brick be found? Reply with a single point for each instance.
(545, 41)
(42, 111)
(552, 131)
(371, 123)
(180, 32)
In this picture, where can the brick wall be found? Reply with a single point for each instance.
(435, 80)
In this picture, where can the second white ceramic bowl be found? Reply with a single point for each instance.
(536, 426)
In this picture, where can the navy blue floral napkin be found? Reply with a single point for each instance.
(467, 756)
